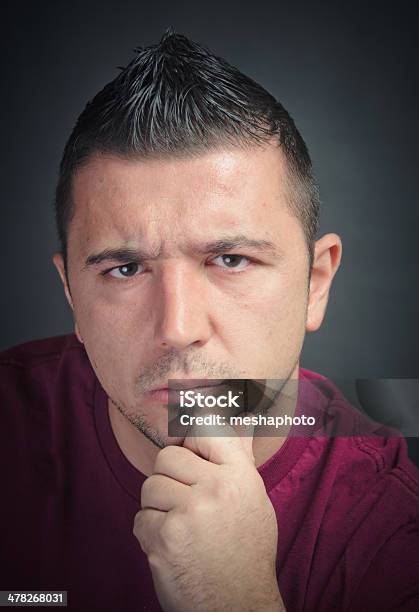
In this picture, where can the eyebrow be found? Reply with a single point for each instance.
(237, 242)
(123, 255)
(120, 255)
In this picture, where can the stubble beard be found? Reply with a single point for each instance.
(140, 422)
(172, 361)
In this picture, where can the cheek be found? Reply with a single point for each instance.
(279, 302)
(108, 318)
(113, 335)
(264, 329)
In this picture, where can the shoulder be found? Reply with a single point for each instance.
(365, 456)
(370, 510)
(33, 370)
(37, 352)
(44, 385)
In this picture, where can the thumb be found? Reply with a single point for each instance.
(221, 444)
(245, 431)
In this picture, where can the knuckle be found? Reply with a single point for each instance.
(145, 493)
(215, 493)
(138, 528)
(165, 457)
(227, 491)
(154, 561)
(172, 532)
(148, 486)
(200, 506)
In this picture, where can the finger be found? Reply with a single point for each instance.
(183, 465)
(219, 445)
(147, 526)
(245, 431)
(163, 493)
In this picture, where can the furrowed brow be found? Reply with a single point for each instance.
(238, 242)
(118, 255)
(124, 255)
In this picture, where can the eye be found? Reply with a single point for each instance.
(126, 271)
(232, 262)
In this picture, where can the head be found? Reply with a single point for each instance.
(187, 214)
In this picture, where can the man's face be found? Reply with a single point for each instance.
(186, 268)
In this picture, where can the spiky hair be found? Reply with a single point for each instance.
(177, 98)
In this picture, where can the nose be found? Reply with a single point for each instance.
(182, 309)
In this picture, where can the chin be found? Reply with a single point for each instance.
(158, 436)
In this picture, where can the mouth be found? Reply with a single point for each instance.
(164, 393)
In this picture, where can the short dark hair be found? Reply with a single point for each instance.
(177, 98)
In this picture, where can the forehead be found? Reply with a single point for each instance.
(166, 199)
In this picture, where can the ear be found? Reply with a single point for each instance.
(59, 264)
(327, 256)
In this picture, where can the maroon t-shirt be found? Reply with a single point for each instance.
(347, 507)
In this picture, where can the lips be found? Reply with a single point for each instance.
(192, 383)
(162, 394)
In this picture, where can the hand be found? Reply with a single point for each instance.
(209, 529)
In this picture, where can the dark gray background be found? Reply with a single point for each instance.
(346, 72)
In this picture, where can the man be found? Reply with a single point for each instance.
(187, 214)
